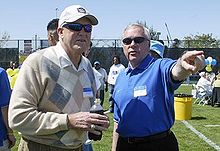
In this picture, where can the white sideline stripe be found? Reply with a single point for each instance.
(201, 136)
(211, 125)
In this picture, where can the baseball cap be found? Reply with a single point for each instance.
(75, 12)
(96, 62)
(157, 47)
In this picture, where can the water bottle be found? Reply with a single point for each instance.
(96, 108)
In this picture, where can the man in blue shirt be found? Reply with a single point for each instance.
(144, 94)
(7, 139)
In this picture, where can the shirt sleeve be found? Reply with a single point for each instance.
(5, 90)
(116, 115)
(166, 67)
(24, 113)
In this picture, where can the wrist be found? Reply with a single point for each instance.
(68, 122)
(179, 73)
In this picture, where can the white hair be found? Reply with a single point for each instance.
(146, 30)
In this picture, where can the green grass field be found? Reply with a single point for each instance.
(202, 116)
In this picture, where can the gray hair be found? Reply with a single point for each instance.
(146, 30)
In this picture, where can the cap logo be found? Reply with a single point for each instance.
(81, 10)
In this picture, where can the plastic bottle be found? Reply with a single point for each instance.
(96, 108)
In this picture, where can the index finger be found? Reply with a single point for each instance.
(99, 116)
(193, 53)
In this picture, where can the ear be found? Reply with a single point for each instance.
(49, 37)
(60, 32)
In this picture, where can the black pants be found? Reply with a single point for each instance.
(102, 96)
(168, 143)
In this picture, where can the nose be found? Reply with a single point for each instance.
(132, 42)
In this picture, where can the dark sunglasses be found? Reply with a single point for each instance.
(79, 27)
(137, 40)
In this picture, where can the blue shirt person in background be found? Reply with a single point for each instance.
(156, 49)
(7, 139)
(144, 94)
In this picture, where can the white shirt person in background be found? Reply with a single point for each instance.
(114, 71)
(203, 85)
(104, 84)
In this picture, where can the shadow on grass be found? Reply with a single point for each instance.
(198, 118)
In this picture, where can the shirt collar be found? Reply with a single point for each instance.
(65, 60)
(143, 65)
(62, 56)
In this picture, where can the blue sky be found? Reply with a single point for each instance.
(23, 19)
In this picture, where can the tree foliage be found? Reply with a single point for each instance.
(4, 37)
(201, 41)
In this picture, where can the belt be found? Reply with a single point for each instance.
(34, 144)
(146, 138)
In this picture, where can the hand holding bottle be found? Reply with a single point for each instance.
(93, 135)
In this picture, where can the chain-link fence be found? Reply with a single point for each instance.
(103, 50)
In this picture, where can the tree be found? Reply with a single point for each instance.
(201, 41)
(4, 37)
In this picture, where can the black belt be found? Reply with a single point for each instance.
(146, 138)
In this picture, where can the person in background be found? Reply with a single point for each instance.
(56, 88)
(98, 76)
(204, 85)
(87, 146)
(104, 86)
(52, 34)
(216, 82)
(12, 72)
(144, 94)
(7, 138)
(216, 92)
(114, 71)
(156, 49)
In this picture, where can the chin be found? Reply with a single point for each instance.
(131, 58)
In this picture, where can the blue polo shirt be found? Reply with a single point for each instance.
(144, 98)
(5, 93)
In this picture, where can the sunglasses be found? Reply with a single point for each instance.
(137, 40)
(79, 27)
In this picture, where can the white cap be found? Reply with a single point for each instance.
(75, 12)
(96, 62)
(157, 47)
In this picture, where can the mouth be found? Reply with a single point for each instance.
(132, 52)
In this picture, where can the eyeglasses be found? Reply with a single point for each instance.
(79, 27)
(137, 40)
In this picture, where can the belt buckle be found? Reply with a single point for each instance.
(131, 140)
